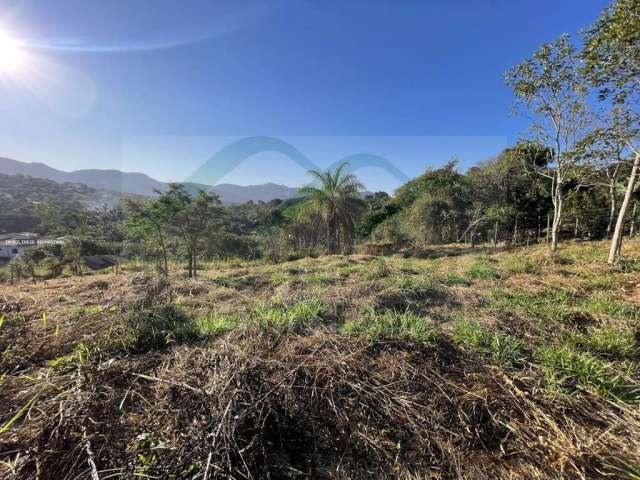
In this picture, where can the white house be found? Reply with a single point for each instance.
(7, 252)
(13, 244)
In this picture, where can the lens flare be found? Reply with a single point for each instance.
(12, 56)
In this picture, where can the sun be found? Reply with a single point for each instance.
(12, 56)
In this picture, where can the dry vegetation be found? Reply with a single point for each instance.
(445, 364)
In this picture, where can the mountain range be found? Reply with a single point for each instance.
(141, 184)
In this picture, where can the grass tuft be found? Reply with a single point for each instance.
(482, 269)
(569, 370)
(392, 324)
(503, 349)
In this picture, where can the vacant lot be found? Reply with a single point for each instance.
(461, 364)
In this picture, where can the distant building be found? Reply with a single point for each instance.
(13, 244)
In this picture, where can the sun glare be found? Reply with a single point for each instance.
(12, 56)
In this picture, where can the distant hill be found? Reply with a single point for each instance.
(265, 192)
(114, 180)
(20, 197)
(118, 182)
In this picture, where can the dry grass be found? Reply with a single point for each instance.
(482, 364)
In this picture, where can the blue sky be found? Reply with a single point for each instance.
(158, 85)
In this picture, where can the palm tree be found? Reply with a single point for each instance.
(335, 199)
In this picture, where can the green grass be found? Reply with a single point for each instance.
(482, 269)
(391, 324)
(568, 370)
(70, 361)
(608, 340)
(159, 326)
(378, 268)
(516, 263)
(501, 348)
(608, 307)
(288, 317)
(215, 324)
(549, 304)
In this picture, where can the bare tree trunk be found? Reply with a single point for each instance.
(539, 227)
(612, 210)
(548, 227)
(575, 230)
(557, 214)
(495, 235)
(632, 230)
(195, 264)
(164, 252)
(616, 241)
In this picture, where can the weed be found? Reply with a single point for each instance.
(609, 307)
(70, 361)
(549, 304)
(451, 278)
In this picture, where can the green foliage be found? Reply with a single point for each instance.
(336, 202)
(612, 51)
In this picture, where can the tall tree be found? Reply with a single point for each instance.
(550, 85)
(196, 220)
(612, 63)
(152, 220)
(605, 150)
(337, 201)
